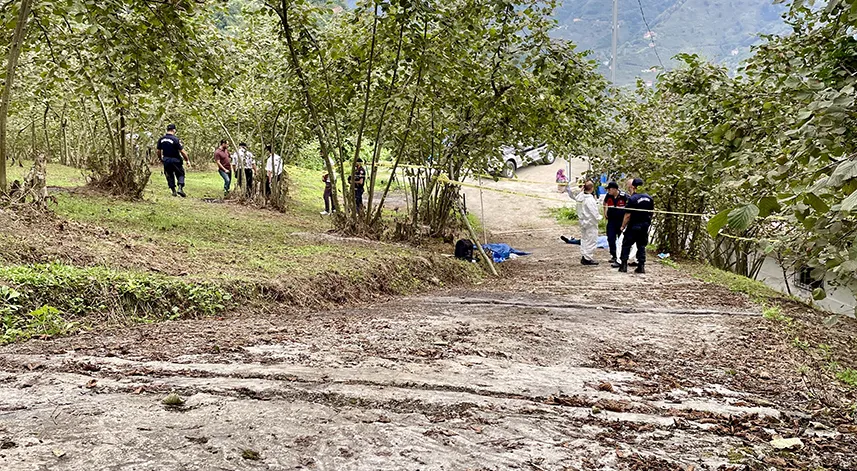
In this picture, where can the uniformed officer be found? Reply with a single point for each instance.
(614, 212)
(636, 225)
(171, 152)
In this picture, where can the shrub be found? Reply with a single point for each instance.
(78, 292)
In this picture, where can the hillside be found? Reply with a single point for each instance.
(720, 30)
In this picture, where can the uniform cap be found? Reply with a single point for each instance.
(612, 185)
(171, 127)
(637, 182)
(243, 144)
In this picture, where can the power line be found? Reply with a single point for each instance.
(651, 34)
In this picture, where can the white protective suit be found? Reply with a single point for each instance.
(588, 214)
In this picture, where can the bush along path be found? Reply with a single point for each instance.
(556, 366)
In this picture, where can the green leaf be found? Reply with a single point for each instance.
(741, 217)
(717, 222)
(818, 294)
(817, 203)
(850, 203)
(768, 205)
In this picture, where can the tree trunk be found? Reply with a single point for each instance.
(5, 99)
(362, 125)
(379, 134)
(318, 128)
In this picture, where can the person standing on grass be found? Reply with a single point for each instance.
(224, 165)
(274, 169)
(328, 195)
(171, 152)
(588, 216)
(614, 211)
(635, 226)
(245, 162)
(359, 180)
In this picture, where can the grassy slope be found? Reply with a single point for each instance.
(251, 252)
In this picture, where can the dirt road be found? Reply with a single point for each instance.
(556, 366)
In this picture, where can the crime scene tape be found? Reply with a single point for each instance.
(445, 179)
(483, 175)
(415, 167)
(656, 211)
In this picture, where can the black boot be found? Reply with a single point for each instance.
(613, 260)
(641, 268)
(623, 267)
(587, 262)
(174, 191)
(633, 264)
(181, 191)
(615, 264)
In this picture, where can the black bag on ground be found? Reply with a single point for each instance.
(464, 249)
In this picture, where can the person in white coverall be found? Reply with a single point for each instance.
(588, 215)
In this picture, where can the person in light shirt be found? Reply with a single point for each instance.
(274, 169)
(244, 161)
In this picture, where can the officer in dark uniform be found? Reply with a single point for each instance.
(171, 152)
(636, 226)
(614, 212)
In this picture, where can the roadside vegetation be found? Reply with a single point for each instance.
(95, 260)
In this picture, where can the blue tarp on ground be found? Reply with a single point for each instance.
(501, 252)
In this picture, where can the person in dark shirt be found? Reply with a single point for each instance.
(359, 180)
(328, 195)
(171, 152)
(614, 212)
(635, 226)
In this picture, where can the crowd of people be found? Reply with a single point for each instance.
(240, 167)
(629, 218)
(628, 213)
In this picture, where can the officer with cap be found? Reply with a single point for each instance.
(614, 212)
(635, 226)
(171, 152)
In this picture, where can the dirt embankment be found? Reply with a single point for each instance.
(554, 367)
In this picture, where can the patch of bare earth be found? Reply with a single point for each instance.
(554, 367)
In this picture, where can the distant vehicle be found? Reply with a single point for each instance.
(512, 159)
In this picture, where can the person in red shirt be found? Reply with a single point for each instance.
(224, 165)
(614, 212)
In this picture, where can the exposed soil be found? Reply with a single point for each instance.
(555, 366)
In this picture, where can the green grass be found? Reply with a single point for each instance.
(51, 299)
(774, 313)
(757, 290)
(847, 376)
(564, 215)
(163, 257)
(55, 174)
(668, 262)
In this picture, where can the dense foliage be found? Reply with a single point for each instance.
(769, 154)
(438, 84)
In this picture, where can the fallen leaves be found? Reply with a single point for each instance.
(249, 454)
(781, 443)
(173, 400)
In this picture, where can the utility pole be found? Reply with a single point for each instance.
(615, 40)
